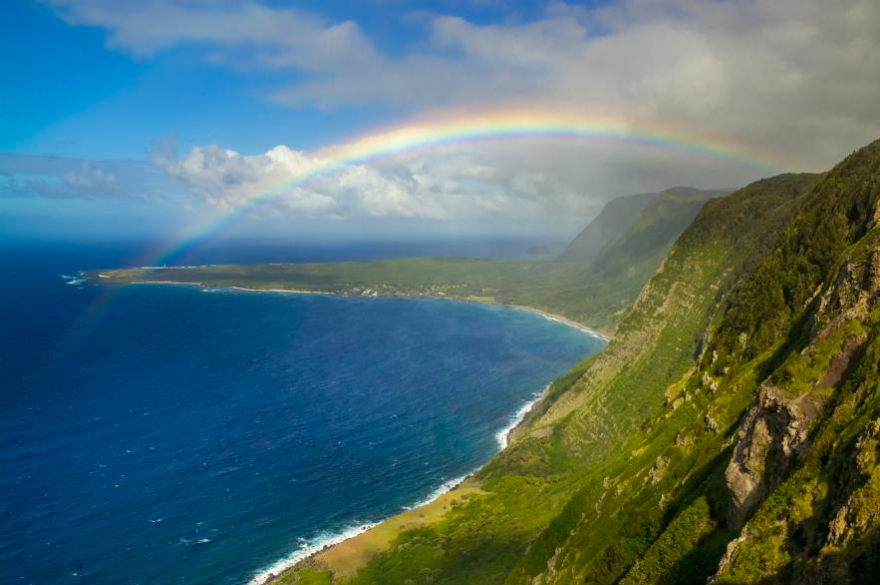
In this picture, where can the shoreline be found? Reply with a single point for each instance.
(504, 436)
(560, 319)
(310, 552)
(524, 308)
(328, 540)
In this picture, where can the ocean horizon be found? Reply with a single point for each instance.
(178, 434)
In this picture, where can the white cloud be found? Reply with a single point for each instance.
(535, 186)
(283, 37)
(70, 178)
(800, 78)
(471, 185)
(785, 74)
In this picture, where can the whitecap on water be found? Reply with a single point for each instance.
(309, 547)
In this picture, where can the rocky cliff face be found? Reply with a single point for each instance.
(771, 441)
(804, 476)
(854, 514)
(774, 435)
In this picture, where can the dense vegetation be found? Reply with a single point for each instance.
(761, 464)
(592, 281)
(586, 432)
(731, 429)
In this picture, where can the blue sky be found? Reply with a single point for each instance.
(72, 96)
(158, 114)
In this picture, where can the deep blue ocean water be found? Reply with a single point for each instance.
(166, 434)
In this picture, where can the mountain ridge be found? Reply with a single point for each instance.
(614, 217)
(552, 466)
(729, 431)
(737, 483)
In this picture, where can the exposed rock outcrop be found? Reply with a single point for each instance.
(852, 517)
(772, 439)
(855, 293)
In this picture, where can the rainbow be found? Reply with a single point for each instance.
(441, 131)
(453, 130)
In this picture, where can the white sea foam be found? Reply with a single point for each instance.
(447, 487)
(308, 548)
(503, 436)
(74, 280)
(328, 539)
(563, 321)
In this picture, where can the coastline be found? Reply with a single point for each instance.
(526, 309)
(516, 419)
(564, 320)
(308, 552)
(606, 337)
(545, 314)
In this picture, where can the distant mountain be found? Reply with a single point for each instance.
(597, 292)
(614, 218)
(644, 242)
(637, 224)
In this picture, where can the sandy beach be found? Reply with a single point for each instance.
(547, 315)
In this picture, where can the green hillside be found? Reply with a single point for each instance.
(597, 293)
(729, 431)
(648, 238)
(582, 453)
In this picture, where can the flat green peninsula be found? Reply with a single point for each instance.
(531, 285)
(592, 282)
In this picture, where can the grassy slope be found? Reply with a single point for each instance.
(588, 415)
(600, 292)
(567, 287)
(599, 424)
(803, 325)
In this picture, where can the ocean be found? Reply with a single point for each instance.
(170, 434)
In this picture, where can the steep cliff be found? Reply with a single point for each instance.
(578, 458)
(730, 431)
(762, 467)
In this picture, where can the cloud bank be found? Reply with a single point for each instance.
(23, 176)
(795, 77)
(785, 73)
(457, 187)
